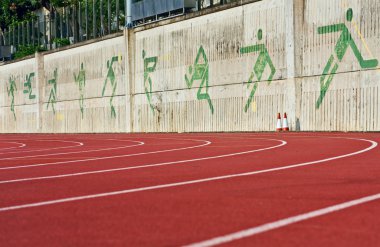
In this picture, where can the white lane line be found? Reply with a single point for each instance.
(109, 157)
(144, 166)
(162, 186)
(47, 149)
(284, 222)
(21, 145)
(76, 152)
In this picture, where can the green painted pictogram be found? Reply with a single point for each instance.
(80, 79)
(28, 86)
(199, 72)
(53, 91)
(111, 77)
(345, 40)
(258, 69)
(150, 64)
(11, 93)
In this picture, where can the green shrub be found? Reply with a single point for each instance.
(27, 50)
(61, 42)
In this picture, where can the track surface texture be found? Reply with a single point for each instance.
(205, 189)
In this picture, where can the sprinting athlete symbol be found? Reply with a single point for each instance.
(53, 91)
(11, 93)
(150, 64)
(111, 77)
(345, 40)
(80, 79)
(199, 71)
(258, 69)
(28, 86)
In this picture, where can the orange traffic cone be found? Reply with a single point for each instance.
(278, 127)
(285, 126)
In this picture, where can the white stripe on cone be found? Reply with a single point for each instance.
(285, 126)
(279, 126)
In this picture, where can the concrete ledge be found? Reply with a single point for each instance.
(68, 47)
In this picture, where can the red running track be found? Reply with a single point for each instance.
(244, 189)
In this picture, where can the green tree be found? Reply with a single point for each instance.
(13, 11)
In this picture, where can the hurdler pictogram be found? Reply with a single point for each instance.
(112, 78)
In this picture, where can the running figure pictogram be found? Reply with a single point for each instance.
(345, 40)
(150, 64)
(11, 92)
(111, 77)
(258, 69)
(80, 79)
(199, 72)
(53, 91)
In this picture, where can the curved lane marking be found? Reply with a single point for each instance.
(284, 222)
(21, 145)
(47, 149)
(85, 151)
(109, 157)
(145, 166)
(190, 182)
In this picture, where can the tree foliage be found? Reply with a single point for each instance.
(27, 50)
(14, 11)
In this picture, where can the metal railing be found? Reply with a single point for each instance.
(88, 19)
(146, 11)
(153, 10)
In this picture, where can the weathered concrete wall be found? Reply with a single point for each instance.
(76, 90)
(352, 98)
(228, 46)
(230, 70)
(90, 89)
(19, 97)
(342, 94)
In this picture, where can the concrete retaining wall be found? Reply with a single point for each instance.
(19, 97)
(352, 100)
(82, 75)
(198, 73)
(221, 73)
(75, 90)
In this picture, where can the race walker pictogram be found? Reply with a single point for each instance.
(258, 69)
